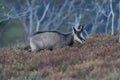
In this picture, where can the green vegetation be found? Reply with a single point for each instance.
(11, 33)
(97, 59)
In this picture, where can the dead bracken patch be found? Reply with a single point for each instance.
(98, 58)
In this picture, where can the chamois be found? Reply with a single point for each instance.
(53, 39)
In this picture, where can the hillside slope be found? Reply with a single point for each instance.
(97, 59)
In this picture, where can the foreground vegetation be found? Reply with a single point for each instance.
(97, 59)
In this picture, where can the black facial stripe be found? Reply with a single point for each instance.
(78, 35)
(81, 27)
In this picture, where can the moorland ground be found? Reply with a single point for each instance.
(97, 59)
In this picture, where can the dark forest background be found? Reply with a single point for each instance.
(19, 19)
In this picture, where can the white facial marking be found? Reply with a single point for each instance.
(77, 39)
(82, 36)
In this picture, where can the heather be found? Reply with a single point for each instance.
(97, 59)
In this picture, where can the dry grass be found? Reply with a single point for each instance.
(97, 59)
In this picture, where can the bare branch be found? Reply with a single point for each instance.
(112, 14)
(58, 15)
(98, 13)
(42, 18)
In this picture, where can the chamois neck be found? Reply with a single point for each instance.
(70, 39)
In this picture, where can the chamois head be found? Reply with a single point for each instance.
(77, 33)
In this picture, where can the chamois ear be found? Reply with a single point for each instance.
(74, 30)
